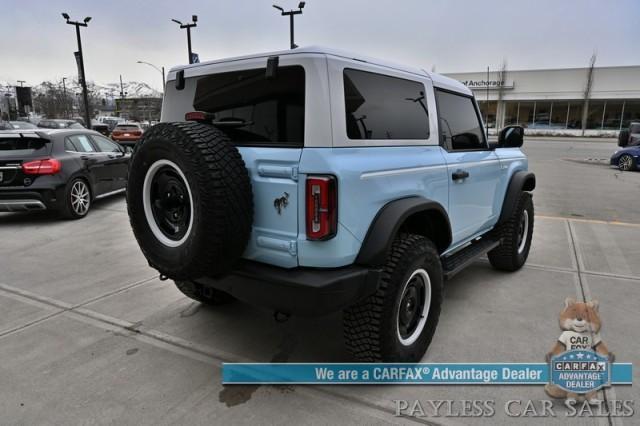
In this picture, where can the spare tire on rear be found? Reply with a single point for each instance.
(623, 138)
(189, 200)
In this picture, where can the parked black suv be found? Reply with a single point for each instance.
(62, 170)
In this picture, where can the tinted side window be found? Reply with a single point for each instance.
(253, 109)
(382, 107)
(105, 145)
(81, 143)
(459, 122)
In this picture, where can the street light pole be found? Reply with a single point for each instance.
(64, 97)
(82, 78)
(194, 19)
(161, 71)
(291, 14)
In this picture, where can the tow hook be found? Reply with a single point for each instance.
(281, 316)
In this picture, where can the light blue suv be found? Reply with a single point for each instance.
(313, 180)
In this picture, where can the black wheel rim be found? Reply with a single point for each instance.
(170, 203)
(411, 307)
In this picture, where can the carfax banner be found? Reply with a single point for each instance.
(429, 373)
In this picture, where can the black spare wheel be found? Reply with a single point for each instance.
(189, 200)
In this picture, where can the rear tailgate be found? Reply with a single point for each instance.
(17, 148)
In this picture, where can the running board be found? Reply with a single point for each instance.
(459, 260)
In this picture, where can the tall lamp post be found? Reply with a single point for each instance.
(65, 101)
(161, 71)
(80, 58)
(291, 14)
(194, 19)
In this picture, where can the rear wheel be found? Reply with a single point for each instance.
(625, 163)
(77, 200)
(397, 323)
(202, 294)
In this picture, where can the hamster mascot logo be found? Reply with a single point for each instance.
(579, 360)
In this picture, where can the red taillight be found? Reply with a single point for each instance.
(116, 133)
(195, 116)
(50, 166)
(322, 207)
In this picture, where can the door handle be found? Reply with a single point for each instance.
(460, 174)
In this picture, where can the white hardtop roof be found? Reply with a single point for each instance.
(438, 80)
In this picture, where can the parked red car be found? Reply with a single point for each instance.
(127, 133)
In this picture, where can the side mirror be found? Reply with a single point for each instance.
(511, 137)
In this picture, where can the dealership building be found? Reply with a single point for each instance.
(552, 101)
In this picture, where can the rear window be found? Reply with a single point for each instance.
(635, 128)
(253, 109)
(127, 127)
(23, 146)
(382, 107)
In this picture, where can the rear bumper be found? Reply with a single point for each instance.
(13, 201)
(126, 139)
(299, 291)
(21, 205)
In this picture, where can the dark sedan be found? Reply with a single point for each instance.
(59, 124)
(63, 170)
(13, 125)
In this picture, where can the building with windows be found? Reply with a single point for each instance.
(552, 101)
(139, 109)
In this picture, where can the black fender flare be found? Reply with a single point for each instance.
(520, 181)
(392, 216)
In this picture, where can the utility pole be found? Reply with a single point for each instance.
(80, 61)
(161, 71)
(64, 97)
(123, 94)
(194, 19)
(291, 14)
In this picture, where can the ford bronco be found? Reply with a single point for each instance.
(313, 181)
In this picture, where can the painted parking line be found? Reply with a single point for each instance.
(577, 219)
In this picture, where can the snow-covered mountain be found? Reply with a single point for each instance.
(133, 89)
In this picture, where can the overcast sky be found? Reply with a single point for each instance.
(453, 35)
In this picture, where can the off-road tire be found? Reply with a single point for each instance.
(506, 256)
(371, 326)
(222, 207)
(623, 138)
(205, 295)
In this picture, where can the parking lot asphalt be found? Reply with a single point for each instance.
(88, 334)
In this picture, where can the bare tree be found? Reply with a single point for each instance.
(587, 91)
(502, 79)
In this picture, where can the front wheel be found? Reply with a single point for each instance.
(515, 235)
(397, 322)
(625, 163)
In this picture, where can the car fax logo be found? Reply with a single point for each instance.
(580, 371)
(579, 360)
